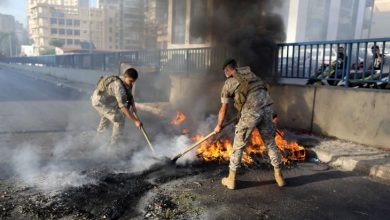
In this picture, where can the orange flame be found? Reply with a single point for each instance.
(220, 150)
(180, 117)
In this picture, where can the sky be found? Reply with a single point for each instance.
(18, 8)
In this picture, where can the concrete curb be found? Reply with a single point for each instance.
(348, 156)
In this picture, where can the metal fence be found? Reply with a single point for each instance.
(180, 61)
(342, 63)
(353, 63)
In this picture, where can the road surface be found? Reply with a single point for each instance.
(31, 109)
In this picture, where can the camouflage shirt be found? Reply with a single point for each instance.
(115, 96)
(255, 101)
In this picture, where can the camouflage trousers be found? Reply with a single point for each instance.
(248, 121)
(114, 116)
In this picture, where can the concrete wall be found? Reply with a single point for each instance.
(77, 75)
(294, 105)
(357, 115)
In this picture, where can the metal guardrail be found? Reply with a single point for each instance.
(349, 63)
(180, 61)
(316, 62)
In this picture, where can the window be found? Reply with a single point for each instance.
(61, 31)
(77, 32)
(54, 31)
(61, 21)
(57, 13)
(69, 32)
(69, 22)
(53, 20)
(76, 23)
(69, 41)
(199, 22)
(77, 42)
(179, 20)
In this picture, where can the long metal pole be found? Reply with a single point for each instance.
(10, 44)
(147, 139)
(201, 141)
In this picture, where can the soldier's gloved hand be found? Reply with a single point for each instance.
(217, 129)
(138, 123)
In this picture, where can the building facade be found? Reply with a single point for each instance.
(380, 19)
(156, 24)
(81, 3)
(317, 20)
(180, 15)
(123, 23)
(12, 35)
(67, 22)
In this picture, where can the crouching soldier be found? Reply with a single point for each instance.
(114, 102)
(252, 102)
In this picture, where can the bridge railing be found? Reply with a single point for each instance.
(181, 61)
(361, 63)
(343, 63)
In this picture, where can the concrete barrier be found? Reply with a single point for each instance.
(294, 105)
(358, 115)
(77, 75)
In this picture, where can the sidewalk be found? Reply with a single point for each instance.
(348, 156)
(352, 157)
(340, 154)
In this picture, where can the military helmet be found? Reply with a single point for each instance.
(229, 61)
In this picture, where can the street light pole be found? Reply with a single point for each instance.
(10, 44)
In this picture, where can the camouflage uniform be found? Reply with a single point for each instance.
(108, 101)
(255, 113)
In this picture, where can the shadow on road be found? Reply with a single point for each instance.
(317, 177)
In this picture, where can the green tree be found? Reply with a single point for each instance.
(56, 43)
(48, 51)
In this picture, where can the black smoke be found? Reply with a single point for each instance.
(249, 29)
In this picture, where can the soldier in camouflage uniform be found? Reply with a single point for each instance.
(114, 102)
(252, 102)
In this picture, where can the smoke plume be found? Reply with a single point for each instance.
(249, 29)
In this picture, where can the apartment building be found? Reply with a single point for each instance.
(317, 20)
(123, 23)
(156, 24)
(181, 13)
(68, 22)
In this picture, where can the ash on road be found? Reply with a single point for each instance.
(31, 110)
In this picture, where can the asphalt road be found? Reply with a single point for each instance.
(311, 193)
(29, 104)
(30, 108)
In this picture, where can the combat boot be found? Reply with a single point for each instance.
(230, 181)
(279, 177)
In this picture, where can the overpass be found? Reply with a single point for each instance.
(354, 105)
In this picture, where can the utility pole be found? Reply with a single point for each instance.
(89, 29)
(10, 44)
